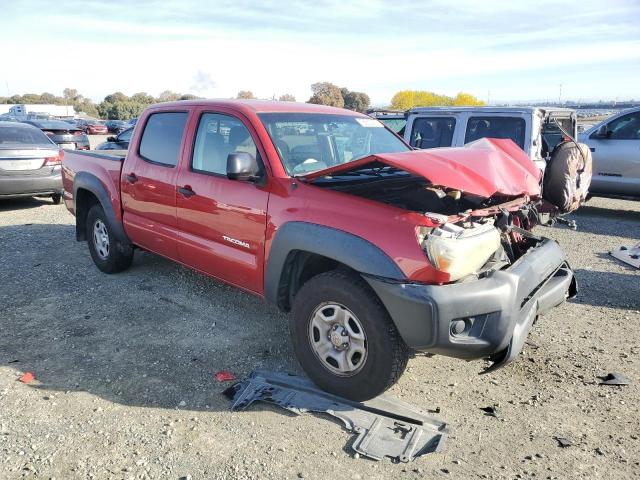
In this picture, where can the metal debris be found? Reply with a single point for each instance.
(564, 442)
(614, 378)
(386, 427)
(490, 411)
(630, 255)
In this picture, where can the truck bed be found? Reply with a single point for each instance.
(92, 166)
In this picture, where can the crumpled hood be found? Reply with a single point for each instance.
(486, 167)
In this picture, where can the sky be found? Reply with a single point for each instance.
(501, 51)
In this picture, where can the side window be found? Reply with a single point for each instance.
(496, 127)
(162, 137)
(219, 135)
(125, 136)
(626, 127)
(432, 132)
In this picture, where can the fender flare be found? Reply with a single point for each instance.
(355, 252)
(91, 183)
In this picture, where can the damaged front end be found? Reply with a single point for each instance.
(478, 207)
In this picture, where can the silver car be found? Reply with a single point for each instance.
(615, 146)
(30, 163)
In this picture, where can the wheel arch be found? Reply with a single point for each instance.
(301, 250)
(88, 190)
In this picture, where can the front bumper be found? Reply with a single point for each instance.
(484, 318)
(42, 182)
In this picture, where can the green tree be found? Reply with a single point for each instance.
(168, 96)
(246, 94)
(287, 97)
(357, 101)
(143, 97)
(188, 96)
(70, 94)
(116, 97)
(326, 93)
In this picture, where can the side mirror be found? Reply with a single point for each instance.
(603, 132)
(242, 166)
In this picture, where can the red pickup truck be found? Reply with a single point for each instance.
(378, 250)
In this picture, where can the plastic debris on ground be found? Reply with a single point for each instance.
(385, 427)
(628, 255)
(614, 378)
(224, 376)
(27, 377)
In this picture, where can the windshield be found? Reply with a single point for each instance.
(19, 135)
(308, 142)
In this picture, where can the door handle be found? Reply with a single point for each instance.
(186, 191)
(131, 178)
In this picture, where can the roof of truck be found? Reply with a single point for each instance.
(260, 106)
(489, 109)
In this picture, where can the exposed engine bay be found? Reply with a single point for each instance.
(472, 235)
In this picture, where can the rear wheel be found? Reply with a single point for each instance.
(55, 198)
(344, 338)
(109, 255)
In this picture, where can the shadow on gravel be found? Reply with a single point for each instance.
(608, 289)
(153, 336)
(624, 222)
(22, 203)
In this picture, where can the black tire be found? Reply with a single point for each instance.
(118, 257)
(386, 353)
(56, 198)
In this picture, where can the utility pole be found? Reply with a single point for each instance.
(488, 97)
(560, 95)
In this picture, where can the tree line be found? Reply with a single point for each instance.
(115, 106)
(118, 106)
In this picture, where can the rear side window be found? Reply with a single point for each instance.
(20, 135)
(496, 127)
(432, 132)
(162, 137)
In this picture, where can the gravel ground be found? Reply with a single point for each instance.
(124, 369)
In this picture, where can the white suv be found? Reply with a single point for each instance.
(535, 129)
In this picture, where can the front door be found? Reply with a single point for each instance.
(616, 158)
(149, 184)
(221, 222)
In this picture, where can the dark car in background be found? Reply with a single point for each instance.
(30, 163)
(119, 142)
(91, 126)
(116, 126)
(62, 133)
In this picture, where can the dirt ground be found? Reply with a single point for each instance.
(125, 366)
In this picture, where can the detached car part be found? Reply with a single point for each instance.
(629, 255)
(385, 427)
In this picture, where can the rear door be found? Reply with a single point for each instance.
(616, 159)
(221, 222)
(149, 183)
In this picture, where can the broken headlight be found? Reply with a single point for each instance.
(459, 251)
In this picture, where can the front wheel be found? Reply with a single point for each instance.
(109, 255)
(56, 198)
(344, 337)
